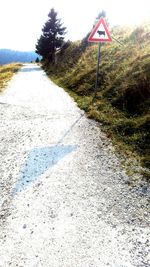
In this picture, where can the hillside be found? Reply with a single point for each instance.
(122, 104)
(9, 56)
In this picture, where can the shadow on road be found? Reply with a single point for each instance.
(39, 161)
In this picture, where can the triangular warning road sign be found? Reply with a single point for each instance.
(100, 32)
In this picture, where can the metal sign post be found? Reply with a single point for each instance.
(97, 71)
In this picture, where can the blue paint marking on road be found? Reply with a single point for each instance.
(39, 161)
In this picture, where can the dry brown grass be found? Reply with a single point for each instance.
(6, 73)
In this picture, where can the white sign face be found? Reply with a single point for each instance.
(100, 33)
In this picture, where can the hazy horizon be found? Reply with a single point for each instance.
(21, 21)
(17, 50)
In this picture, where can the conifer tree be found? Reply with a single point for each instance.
(37, 60)
(52, 37)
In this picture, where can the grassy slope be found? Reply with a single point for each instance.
(6, 73)
(123, 100)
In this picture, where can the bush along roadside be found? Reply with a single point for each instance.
(122, 104)
(6, 73)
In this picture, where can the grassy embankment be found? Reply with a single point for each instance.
(122, 104)
(6, 73)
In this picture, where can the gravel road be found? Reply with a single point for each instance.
(65, 201)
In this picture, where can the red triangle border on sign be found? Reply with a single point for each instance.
(99, 40)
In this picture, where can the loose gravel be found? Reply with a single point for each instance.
(65, 199)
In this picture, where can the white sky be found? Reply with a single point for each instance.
(21, 20)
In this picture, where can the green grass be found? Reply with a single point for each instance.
(6, 73)
(122, 104)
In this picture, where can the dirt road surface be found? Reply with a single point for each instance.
(64, 197)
